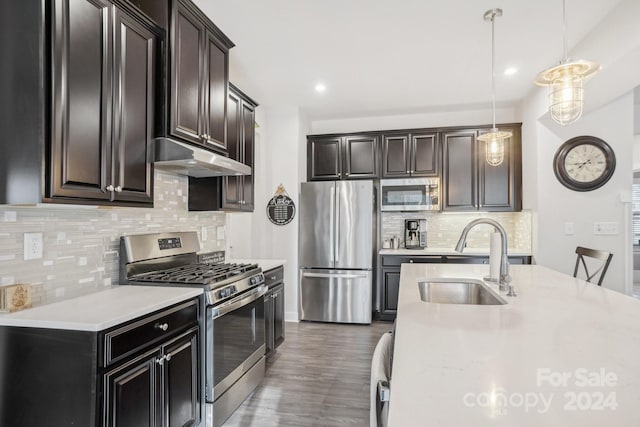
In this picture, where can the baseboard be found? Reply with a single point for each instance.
(291, 316)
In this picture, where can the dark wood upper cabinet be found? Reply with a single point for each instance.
(238, 191)
(324, 158)
(470, 183)
(199, 76)
(410, 154)
(425, 154)
(342, 157)
(460, 191)
(500, 187)
(187, 77)
(81, 79)
(136, 49)
(103, 81)
(360, 156)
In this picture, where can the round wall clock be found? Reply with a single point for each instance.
(584, 163)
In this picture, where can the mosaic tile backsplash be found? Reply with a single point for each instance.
(443, 229)
(81, 244)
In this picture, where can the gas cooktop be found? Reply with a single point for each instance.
(211, 275)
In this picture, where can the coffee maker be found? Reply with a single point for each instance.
(415, 233)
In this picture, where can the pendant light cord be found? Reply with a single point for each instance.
(493, 71)
(564, 31)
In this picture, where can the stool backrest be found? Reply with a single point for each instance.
(599, 272)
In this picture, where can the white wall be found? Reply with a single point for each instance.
(609, 114)
(478, 116)
(280, 159)
(557, 205)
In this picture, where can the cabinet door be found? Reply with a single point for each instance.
(216, 95)
(81, 99)
(459, 168)
(501, 186)
(231, 185)
(131, 394)
(324, 159)
(424, 154)
(187, 80)
(390, 289)
(278, 315)
(136, 49)
(268, 323)
(360, 157)
(248, 152)
(395, 156)
(181, 381)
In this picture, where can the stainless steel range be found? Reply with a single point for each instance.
(234, 334)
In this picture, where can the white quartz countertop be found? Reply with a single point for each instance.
(447, 251)
(265, 264)
(100, 310)
(564, 352)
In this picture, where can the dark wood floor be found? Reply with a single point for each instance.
(318, 377)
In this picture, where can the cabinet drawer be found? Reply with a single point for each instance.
(274, 276)
(396, 260)
(145, 331)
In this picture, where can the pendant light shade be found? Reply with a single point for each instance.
(565, 82)
(495, 139)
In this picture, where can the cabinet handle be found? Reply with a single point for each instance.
(168, 357)
(347, 174)
(408, 171)
(162, 326)
(160, 360)
(410, 261)
(110, 188)
(272, 277)
(118, 189)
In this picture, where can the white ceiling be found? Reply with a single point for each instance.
(392, 57)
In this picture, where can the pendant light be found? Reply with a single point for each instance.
(494, 140)
(565, 82)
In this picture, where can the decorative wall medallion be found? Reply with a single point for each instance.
(281, 209)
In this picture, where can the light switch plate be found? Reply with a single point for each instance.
(568, 228)
(605, 228)
(220, 233)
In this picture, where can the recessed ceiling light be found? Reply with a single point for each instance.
(510, 71)
(320, 87)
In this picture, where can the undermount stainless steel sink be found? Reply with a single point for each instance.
(458, 291)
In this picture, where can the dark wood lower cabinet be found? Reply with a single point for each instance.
(131, 375)
(131, 393)
(164, 381)
(274, 309)
(389, 287)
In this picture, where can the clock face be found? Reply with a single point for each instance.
(584, 163)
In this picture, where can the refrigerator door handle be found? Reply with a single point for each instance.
(332, 224)
(336, 235)
(336, 275)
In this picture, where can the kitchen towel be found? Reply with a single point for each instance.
(495, 254)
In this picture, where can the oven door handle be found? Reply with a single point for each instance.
(239, 301)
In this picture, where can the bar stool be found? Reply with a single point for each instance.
(380, 381)
(603, 256)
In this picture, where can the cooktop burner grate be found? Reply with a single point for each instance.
(195, 274)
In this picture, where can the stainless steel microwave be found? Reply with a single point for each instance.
(411, 194)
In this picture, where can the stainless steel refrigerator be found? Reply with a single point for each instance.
(336, 251)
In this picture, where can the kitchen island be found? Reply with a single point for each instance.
(563, 352)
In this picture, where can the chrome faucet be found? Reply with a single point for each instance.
(504, 260)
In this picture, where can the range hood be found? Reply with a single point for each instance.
(184, 159)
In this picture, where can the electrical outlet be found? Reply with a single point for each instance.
(32, 246)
